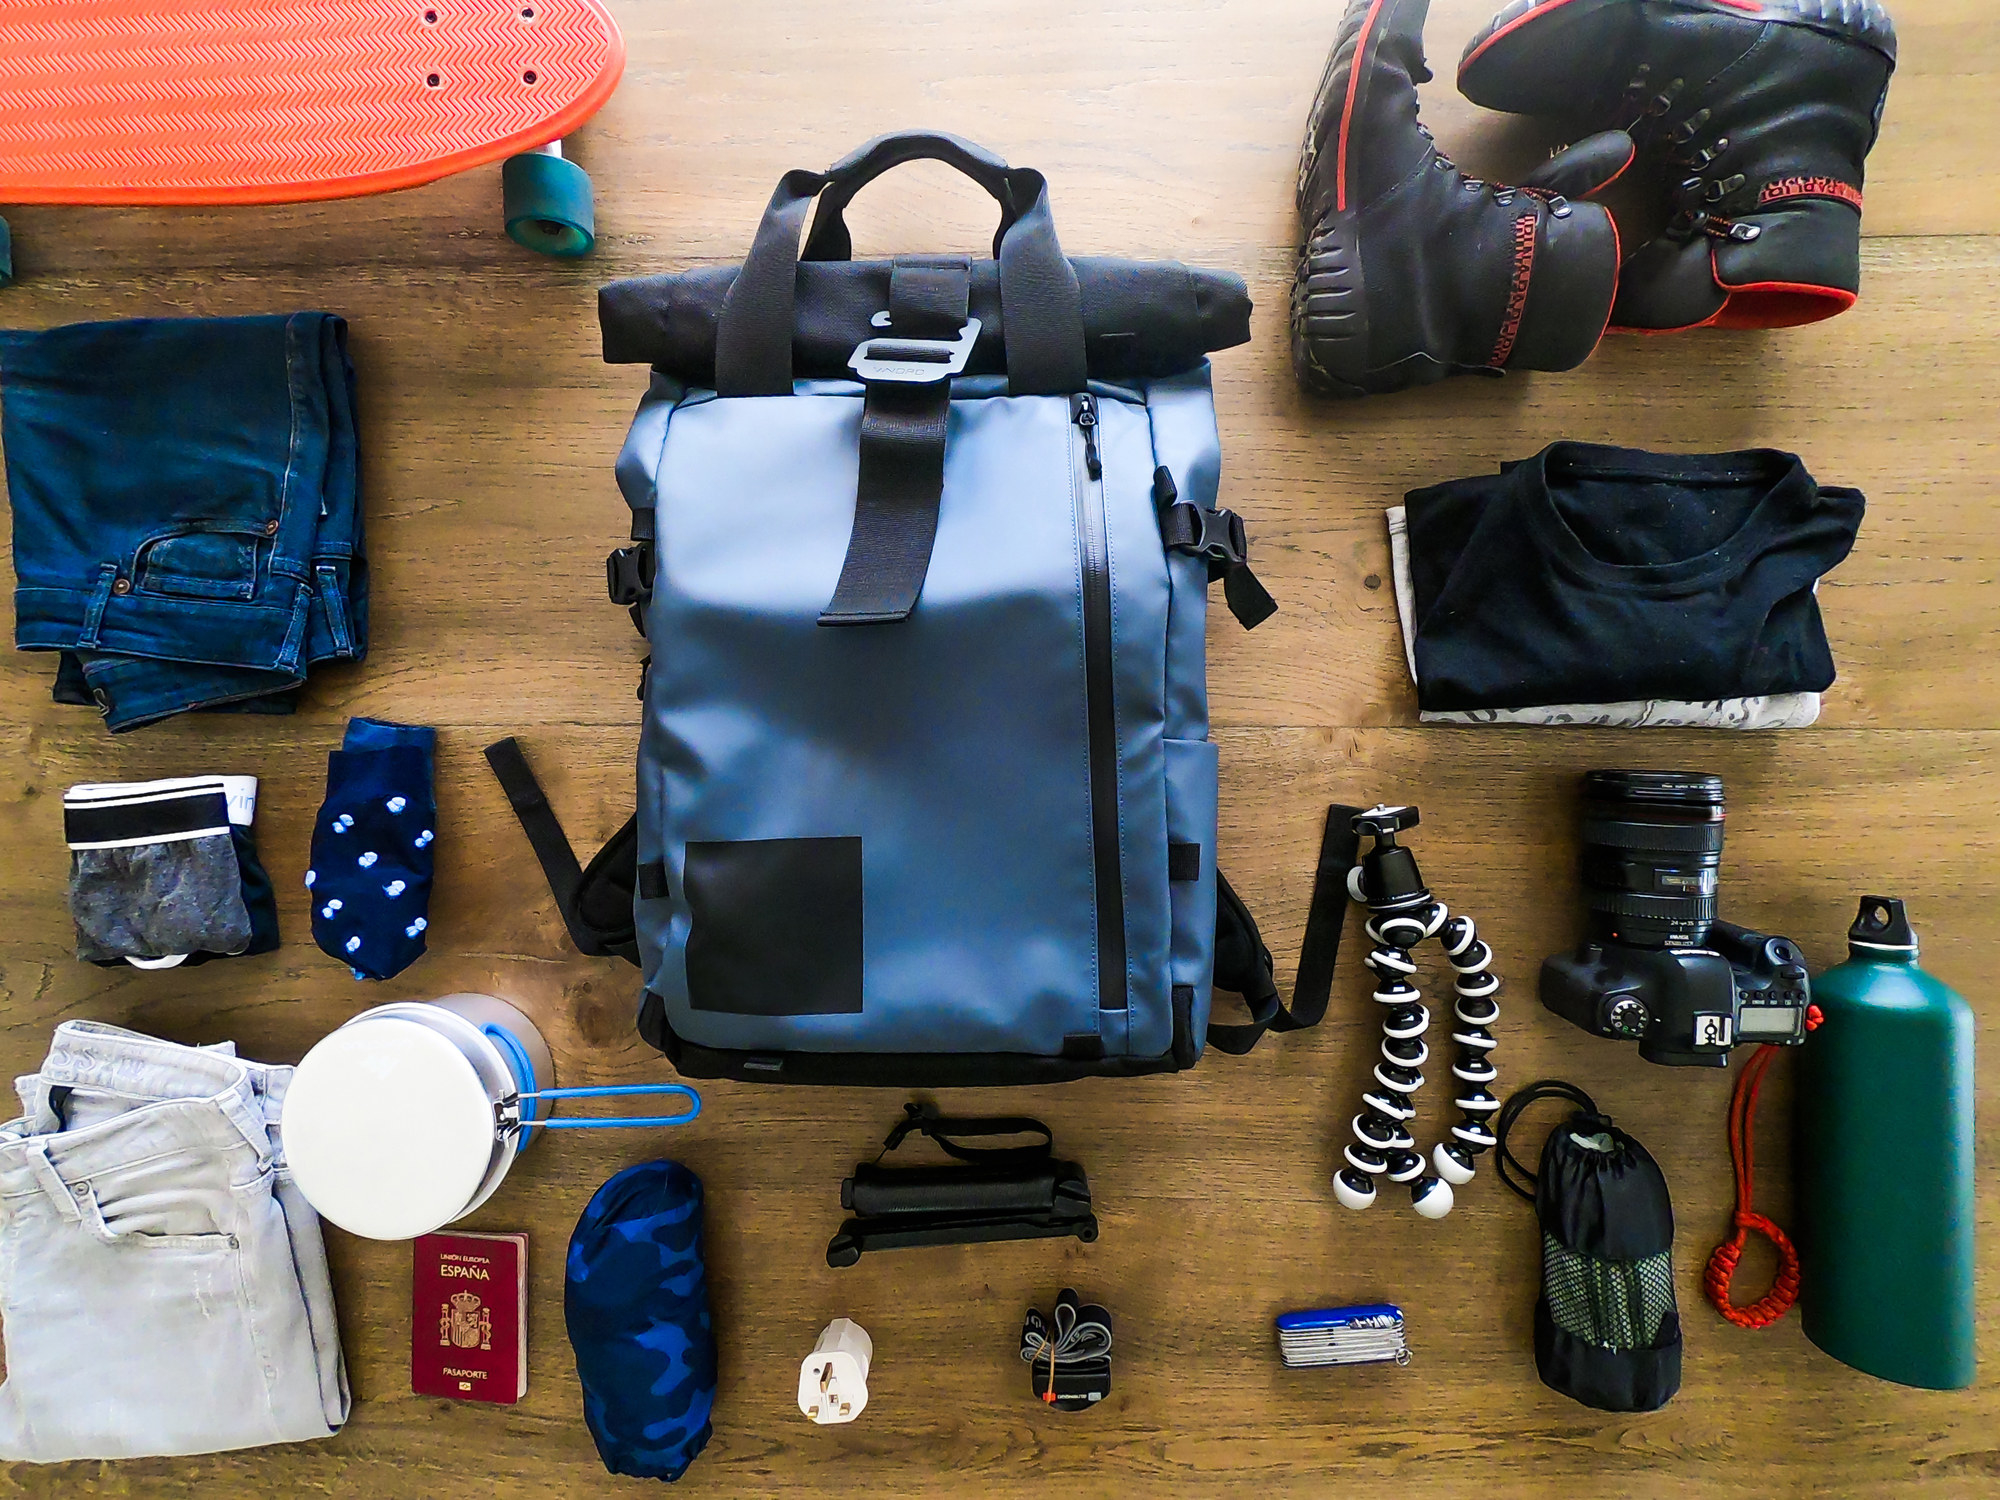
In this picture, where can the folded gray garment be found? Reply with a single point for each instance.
(153, 874)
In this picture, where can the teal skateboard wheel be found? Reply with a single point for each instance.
(548, 207)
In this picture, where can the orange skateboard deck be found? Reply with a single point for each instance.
(280, 101)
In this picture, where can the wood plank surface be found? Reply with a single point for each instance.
(1167, 128)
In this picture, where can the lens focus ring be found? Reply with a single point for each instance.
(1638, 833)
(1659, 908)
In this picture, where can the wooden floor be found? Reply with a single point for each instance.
(1167, 128)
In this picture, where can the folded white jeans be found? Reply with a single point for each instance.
(163, 1285)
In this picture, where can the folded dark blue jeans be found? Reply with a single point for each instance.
(187, 514)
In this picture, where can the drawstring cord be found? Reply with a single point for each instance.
(1722, 1264)
(1542, 1088)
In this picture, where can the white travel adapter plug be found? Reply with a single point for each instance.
(833, 1381)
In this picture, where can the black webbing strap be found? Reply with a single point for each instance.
(539, 822)
(929, 295)
(551, 845)
(1339, 846)
(901, 480)
(923, 1119)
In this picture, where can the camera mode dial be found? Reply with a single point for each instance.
(1625, 1015)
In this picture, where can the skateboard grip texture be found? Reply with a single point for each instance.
(197, 101)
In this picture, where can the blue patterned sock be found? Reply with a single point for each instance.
(371, 849)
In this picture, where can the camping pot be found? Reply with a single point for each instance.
(408, 1116)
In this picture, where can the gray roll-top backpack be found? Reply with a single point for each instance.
(922, 550)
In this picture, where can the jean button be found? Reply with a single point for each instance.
(121, 586)
(270, 528)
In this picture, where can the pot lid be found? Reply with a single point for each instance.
(388, 1129)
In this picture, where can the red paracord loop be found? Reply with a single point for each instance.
(1775, 1303)
(1784, 1291)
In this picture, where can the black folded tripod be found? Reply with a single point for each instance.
(1000, 1193)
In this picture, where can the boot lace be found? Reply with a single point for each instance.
(1501, 192)
(1650, 108)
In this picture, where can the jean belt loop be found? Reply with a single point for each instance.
(36, 1152)
(93, 615)
(241, 1107)
(335, 604)
(274, 1081)
(295, 633)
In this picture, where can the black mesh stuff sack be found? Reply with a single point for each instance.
(1607, 1330)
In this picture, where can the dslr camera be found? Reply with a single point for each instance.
(1656, 966)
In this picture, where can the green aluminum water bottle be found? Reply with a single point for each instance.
(1883, 1158)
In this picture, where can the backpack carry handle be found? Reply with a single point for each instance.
(829, 239)
(1041, 310)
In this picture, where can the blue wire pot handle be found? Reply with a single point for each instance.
(530, 1114)
(614, 1091)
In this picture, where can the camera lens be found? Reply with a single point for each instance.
(1652, 849)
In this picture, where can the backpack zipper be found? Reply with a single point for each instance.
(1100, 709)
(1086, 423)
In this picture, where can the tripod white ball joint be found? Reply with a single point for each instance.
(1401, 914)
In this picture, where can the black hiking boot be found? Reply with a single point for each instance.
(1751, 118)
(1410, 270)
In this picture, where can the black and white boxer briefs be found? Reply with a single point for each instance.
(155, 873)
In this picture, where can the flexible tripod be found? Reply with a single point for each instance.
(1402, 913)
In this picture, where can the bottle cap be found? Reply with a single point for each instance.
(1881, 927)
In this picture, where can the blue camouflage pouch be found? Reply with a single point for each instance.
(636, 1305)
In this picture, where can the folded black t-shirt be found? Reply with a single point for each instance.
(1603, 575)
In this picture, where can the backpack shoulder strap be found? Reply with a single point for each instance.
(574, 889)
(1243, 964)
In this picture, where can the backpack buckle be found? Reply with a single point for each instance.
(628, 574)
(1219, 539)
(1216, 536)
(900, 361)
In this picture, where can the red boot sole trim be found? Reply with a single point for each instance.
(1618, 260)
(1766, 304)
(1780, 304)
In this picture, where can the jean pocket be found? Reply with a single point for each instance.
(200, 565)
(141, 1208)
(774, 926)
(202, 1244)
